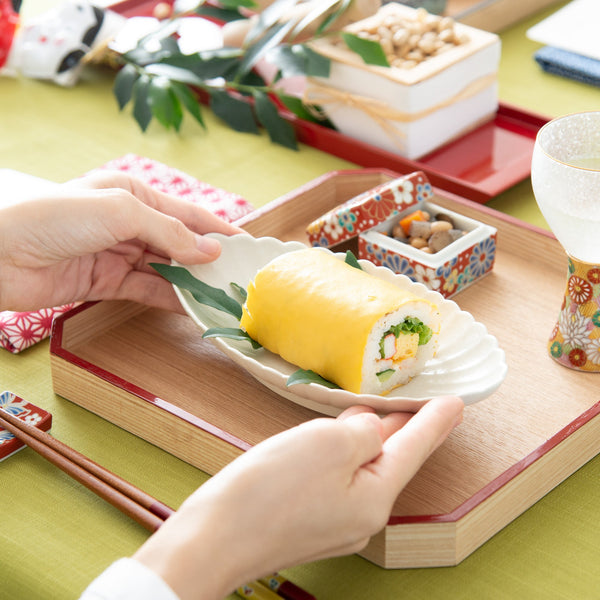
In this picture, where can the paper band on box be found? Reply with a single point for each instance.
(382, 113)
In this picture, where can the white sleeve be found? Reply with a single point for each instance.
(127, 579)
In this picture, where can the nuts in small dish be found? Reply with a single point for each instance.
(407, 42)
(426, 233)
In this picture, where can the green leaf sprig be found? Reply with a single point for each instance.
(308, 376)
(231, 333)
(162, 83)
(201, 292)
(352, 260)
(210, 296)
(370, 51)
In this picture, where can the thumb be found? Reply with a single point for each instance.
(406, 450)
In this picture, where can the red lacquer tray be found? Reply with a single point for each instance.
(479, 165)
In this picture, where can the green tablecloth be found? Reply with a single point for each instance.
(56, 536)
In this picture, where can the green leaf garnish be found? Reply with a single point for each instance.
(164, 103)
(202, 292)
(317, 65)
(221, 62)
(371, 52)
(296, 106)
(290, 60)
(211, 296)
(162, 46)
(189, 100)
(240, 290)
(279, 130)
(123, 86)
(155, 72)
(141, 107)
(237, 113)
(308, 376)
(352, 260)
(298, 60)
(231, 333)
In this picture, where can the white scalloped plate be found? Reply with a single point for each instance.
(469, 362)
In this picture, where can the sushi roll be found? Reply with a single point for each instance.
(360, 332)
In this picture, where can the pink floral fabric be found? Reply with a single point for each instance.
(20, 330)
(224, 204)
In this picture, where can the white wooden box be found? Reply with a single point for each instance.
(413, 111)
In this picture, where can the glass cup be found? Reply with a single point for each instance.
(565, 175)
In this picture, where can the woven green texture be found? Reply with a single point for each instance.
(56, 536)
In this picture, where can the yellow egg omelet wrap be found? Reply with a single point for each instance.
(321, 314)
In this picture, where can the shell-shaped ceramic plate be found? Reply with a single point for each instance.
(469, 362)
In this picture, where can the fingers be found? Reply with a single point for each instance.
(170, 226)
(395, 421)
(195, 217)
(366, 430)
(148, 289)
(389, 423)
(126, 218)
(406, 450)
(354, 410)
(408, 439)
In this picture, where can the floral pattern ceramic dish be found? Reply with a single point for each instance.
(370, 218)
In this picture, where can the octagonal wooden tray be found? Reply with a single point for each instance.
(151, 373)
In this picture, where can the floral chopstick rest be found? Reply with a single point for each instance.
(27, 412)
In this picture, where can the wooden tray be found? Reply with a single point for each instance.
(152, 374)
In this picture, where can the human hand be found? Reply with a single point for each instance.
(320, 489)
(93, 239)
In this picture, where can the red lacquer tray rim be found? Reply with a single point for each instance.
(453, 516)
(57, 349)
(508, 117)
(513, 471)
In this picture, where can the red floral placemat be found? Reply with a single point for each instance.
(20, 330)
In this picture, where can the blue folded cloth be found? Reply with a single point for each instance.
(568, 64)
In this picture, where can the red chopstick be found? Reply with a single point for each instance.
(137, 504)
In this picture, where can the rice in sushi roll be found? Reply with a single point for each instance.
(362, 333)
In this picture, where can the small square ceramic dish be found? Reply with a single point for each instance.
(448, 271)
(418, 106)
(373, 216)
(469, 363)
